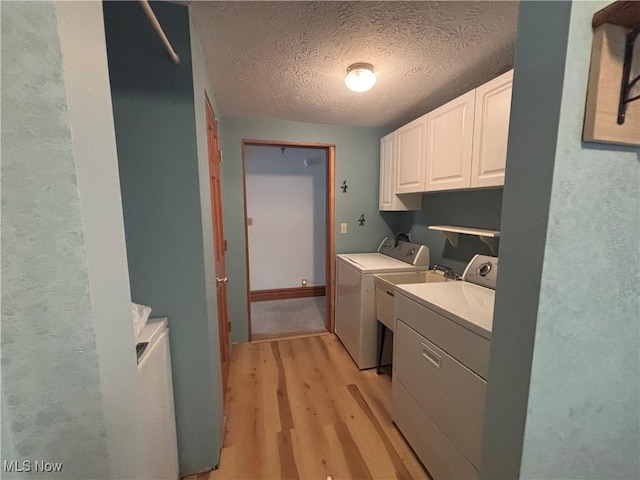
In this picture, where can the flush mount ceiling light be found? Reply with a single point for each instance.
(360, 77)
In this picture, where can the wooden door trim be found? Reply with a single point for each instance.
(330, 149)
(223, 331)
(330, 278)
(277, 143)
(286, 293)
(246, 238)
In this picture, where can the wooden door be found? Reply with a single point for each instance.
(449, 145)
(219, 243)
(410, 159)
(491, 131)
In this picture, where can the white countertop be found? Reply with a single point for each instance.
(467, 304)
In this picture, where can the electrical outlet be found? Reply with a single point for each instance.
(343, 228)
(304, 282)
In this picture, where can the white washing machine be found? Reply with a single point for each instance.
(356, 323)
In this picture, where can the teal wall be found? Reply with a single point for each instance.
(587, 338)
(153, 102)
(202, 87)
(52, 404)
(562, 398)
(469, 208)
(89, 97)
(357, 162)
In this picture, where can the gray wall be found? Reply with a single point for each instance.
(357, 162)
(562, 398)
(155, 120)
(470, 208)
(68, 363)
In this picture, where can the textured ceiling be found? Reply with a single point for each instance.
(287, 60)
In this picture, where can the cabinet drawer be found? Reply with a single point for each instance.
(433, 447)
(468, 347)
(449, 392)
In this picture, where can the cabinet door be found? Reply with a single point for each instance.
(491, 130)
(387, 145)
(410, 160)
(449, 146)
(388, 200)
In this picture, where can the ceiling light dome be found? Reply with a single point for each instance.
(360, 77)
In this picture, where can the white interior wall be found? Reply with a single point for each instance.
(286, 202)
(94, 144)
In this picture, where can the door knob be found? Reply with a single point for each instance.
(222, 279)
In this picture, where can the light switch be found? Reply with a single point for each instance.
(343, 228)
(249, 221)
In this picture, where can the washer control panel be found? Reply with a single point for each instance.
(411, 253)
(482, 270)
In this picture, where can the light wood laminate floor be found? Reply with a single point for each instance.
(301, 409)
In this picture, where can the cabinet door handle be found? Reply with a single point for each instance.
(389, 293)
(430, 355)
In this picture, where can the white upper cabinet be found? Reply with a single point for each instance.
(410, 156)
(460, 145)
(388, 199)
(450, 145)
(491, 130)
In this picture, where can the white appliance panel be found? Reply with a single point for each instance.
(356, 322)
(434, 448)
(448, 391)
(156, 394)
(377, 263)
(348, 307)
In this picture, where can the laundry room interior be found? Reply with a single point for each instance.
(321, 239)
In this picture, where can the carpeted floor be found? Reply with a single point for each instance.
(292, 316)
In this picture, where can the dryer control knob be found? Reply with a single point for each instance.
(484, 269)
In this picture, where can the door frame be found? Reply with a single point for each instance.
(330, 150)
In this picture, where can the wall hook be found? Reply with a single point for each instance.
(282, 149)
(344, 187)
(361, 220)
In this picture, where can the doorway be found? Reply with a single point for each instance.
(289, 212)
